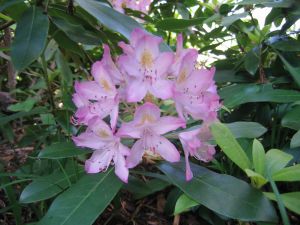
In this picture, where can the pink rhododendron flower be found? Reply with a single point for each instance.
(195, 143)
(107, 147)
(195, 91)
(146, 67)
(139, 5)
(180, 54)
(96, 98)
(149, 126)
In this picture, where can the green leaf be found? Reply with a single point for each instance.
(257, 180)
(46, 187)
(294, 71)
(25, 106)
(76, 32)
(252, 61)
(246, 129)
(84, 201)
(291, 119)
(7, 119)
(9, 3)
(61, 150)
(184, 203)
(290, 200)
(295, 141)
(238, 94)
(229, 145)
(221, 193)
(290, 45)
(64, 69)
(30, 38)
(48, 119)
(276, 160)
(109, 17)
(140, 189)
(258, 157)
(268, 3)
(178, 24)
(291, 173)
(228, 20)
(224, 76)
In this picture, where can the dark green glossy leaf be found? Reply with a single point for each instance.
(221, 193)
(7, 119)
(287, 45)
(84, 201)
(224, 76)
(229, 145)
(252, 61)
(109, 17)
(46, 187)
(8, 3)
(30, 38)
(61, 150)
(76, 32)
(291, 119)
(235, 95)
(140, 189)
(64, 69)
(294, 71)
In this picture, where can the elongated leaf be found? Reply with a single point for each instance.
(64, 69)
(292, 119)
(287, 45)
(109, 17)
(84, 202)
(178, 24)
(258, 157)
(7, 119)
(140, 189)
(295, 142)
(228, 20)
(224, 76)
(252, 61)
(290, 200)
(76, 32)
(276, 160)
(46, 187)
(61, 150)
(30, 38)
(229, 145)
(246, 129)
(268, 3)
(184, 203)
(242, 93)
(294, 71)
(221, 193)
(291, 173)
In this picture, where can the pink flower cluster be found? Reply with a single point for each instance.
(138, 5)
(142, 71)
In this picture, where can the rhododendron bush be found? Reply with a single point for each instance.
(149, 112)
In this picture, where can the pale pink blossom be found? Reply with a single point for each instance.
(96, 98)
(195, 144)
(107, 147)
(195, 92)
(139, 5)
(180, 54)
(146, 67)
(148, 126)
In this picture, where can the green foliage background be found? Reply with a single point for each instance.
(47, 45)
